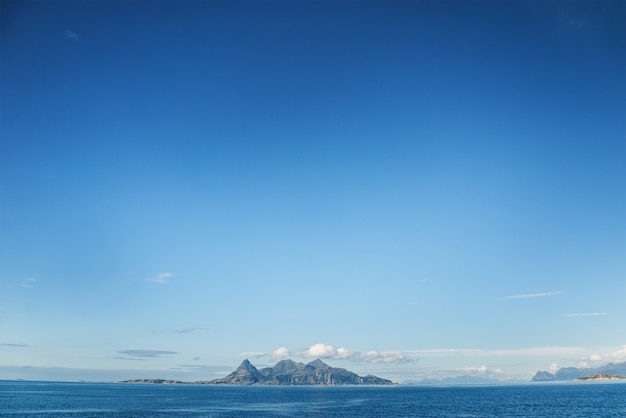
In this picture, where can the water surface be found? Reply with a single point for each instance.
(53, 400)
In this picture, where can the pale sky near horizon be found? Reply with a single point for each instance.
(405, 188)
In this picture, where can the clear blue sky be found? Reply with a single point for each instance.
(440, 184)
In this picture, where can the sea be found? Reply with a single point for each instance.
(54, 399)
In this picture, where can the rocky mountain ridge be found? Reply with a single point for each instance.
(289, 372)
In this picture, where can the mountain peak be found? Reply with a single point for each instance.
(286, 361)
(318, 364)
(245, 374)
(246, 365)
(287, 365)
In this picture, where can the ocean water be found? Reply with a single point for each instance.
(51, 399)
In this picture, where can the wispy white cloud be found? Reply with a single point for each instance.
(446, 351)
(385, 357)
(162, 278)
(28, 282)
(146, 353)
(257, 354)
(14, 345)
(587, 314)
(473, 369)
(534, 295)
(545, 351)
(479, 371)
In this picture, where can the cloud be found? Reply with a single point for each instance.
(474, 370)
(256, 354)
(146, 353)
(587, 314)
(28, 282)
(616, 356)
(162, 278)
(187, 330)
(446, 351)
(326, 351)
(200, 369)
(619, 355)
(13, 345)
(480, 371)
(534, 295)
(563, 353)
(546, 351)
(385, 357)
(71, 35)
(280, 354)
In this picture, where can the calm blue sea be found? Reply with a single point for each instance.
(44, 399)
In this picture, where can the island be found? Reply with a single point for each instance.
(602, 377)
(610, 371)
(284, 373)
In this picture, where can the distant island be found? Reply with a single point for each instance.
(284, 373)
(160, 382)
(611, 371)
(602, 377)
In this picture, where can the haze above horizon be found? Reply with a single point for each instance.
(408, 189)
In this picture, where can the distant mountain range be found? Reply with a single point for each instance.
(288, 372)
(573, 373)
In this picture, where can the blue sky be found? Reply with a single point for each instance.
(412, 189)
